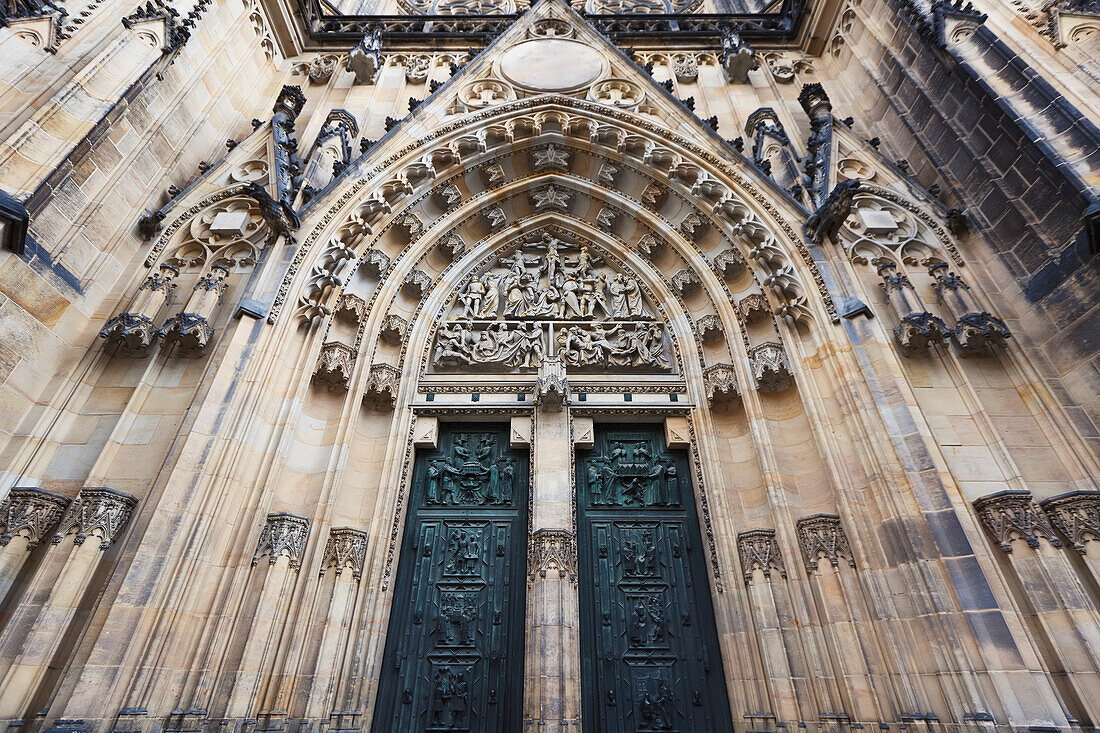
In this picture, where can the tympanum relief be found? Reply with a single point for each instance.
(549, 297)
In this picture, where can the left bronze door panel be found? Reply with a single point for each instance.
(454, 649)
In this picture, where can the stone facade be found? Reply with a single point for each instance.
(835, 260)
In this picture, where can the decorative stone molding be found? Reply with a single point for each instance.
(1076, 515)
(552, 157)
(616, 93)
(375, 263)
(709, 328)
(551, 197)
(552, 387)
(552, 550)
(382, 385)
(753, 307)
(30, 512)
(481, 93)
(418, 283)
(96, 512)
(393, 329)
(822, 536)
(685, 282)
(729, 263)
(1012, 515)
(721, 385)
(346, 548)
(283, 535)
(758, 550)
(770, 367)
(334, 365)
(649, 246)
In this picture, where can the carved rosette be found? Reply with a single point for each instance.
(375, 263)
(822, 536)
(283, 535)
(685, 282)
(1012, 515)
(382, 384)
(552, 550)
(1076, 515)
(393, 329)
(418, 283)
(729, 263)
(759, 550)
(721, 385)
(96, 512)
(334, 365)
(770, 367)
(346, 548)
(31, 513)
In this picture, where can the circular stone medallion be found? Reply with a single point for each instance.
(551, 65)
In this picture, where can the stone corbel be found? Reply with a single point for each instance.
(770, 367)
(393, 329)
(382, 385)
(975, 330)
(1076, 515)
(1012, 515)
(365, 59)
(418, 283)
(31, 513)
(831, 214)
(738, 58)
(552, 550)
(134, 331)
(552, 386)
(649, 246)
(96, 512)
(190, 329)
(426, 432)
(758, 550)
(552, 157)
(918, 329)
(334, 365)
(375, 263)
(721, 385)
(283, 535)
(685, 282)
(677, 432)
(822, 536)
(346, 549)
(710, 329)
(729, 263)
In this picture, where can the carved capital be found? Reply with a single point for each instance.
(552, 550)
(552, 387)
(283, 535)
(1076, 515)
(758, 550)
(721, 385)
(822, 536)
(346, 548)
(96, 512)
(1012, 515)
(770, 367)
(31, 513)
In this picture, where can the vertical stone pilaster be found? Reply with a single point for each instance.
(552, 693)
(762, 565)
(26, 516)
(96, 514)
(822, 537)
(282, 542)
(1061, 603)
(341, 568)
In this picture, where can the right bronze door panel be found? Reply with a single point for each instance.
(649, 648)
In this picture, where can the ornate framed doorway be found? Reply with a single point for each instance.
(649, 646)
(454, 649)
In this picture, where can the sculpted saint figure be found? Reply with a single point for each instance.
(490, 301)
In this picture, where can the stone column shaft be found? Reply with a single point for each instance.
(552, 693)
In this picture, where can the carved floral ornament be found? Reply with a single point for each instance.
(691, 173)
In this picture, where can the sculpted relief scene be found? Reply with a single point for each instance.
(570, 366)
(550, 298)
